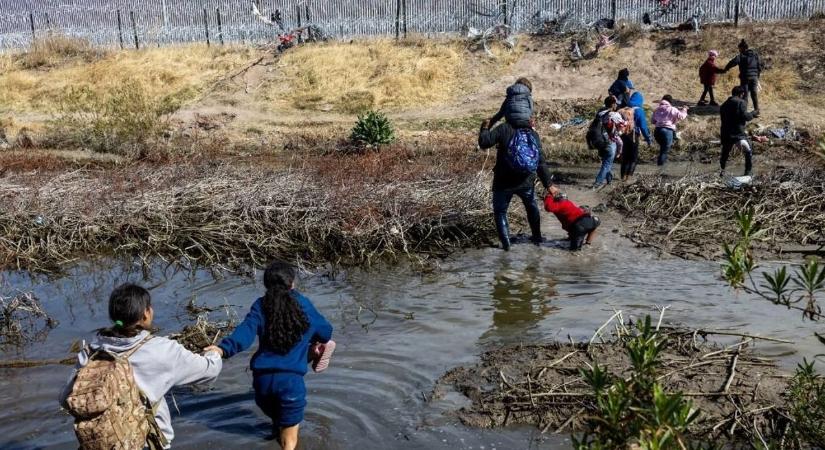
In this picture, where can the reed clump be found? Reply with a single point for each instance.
(693, 215)
(328, 208)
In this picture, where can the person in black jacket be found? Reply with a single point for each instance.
(507, 182)
(735, 117)
(750, 68)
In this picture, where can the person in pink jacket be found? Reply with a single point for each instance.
(665, 119)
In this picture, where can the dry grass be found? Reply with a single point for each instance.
(372, 74)
(330, 208)
(58, 49)
(161, 71)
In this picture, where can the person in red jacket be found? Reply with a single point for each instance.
(580, 224)
(707, 75)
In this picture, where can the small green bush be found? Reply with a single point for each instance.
(373, 129)
(125, 121)
(807, 400)
(637, 411)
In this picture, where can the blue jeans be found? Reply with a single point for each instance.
(501, 203)
(605, 174)
(664, 137)
(282, 396)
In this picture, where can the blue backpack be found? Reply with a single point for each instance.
(523, 151)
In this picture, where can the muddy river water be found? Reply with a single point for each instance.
(397, 332)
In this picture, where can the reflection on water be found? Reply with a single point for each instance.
(397, 332)
(521, 299)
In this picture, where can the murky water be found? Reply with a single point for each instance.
(397, 332)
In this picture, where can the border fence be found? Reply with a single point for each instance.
(161, 22)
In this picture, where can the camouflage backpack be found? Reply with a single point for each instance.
(110, 411)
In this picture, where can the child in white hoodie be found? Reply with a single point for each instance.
(158, 363)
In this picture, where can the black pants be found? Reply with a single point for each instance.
(747, 149)
(630, 154)
(580, 229)
(501, 203)
(750, 86)
(708, 90)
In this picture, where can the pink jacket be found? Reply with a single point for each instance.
(667, 116)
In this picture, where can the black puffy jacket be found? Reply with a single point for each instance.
(735, 117)
(750, 65)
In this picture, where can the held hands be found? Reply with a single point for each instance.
(213, 348)
(485, 124)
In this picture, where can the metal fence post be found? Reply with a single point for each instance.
(404, 6)
(220, 26)
(31, 20)
(119, 30)
(613, 10)
(134, 29)
(736, 15)
(504, 10)
(397, 19)
(206, 26)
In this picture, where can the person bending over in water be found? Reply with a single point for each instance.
(286, 324)
(580, 224)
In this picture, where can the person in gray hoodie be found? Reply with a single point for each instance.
(159, 364)
(517, 109)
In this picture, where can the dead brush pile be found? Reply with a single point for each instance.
(739, 395)
(22, 320)
(694, 215)
(329, 208)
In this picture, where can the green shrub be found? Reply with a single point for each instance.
(807, 401)
(124, 121)
(636, 411)
(373, 129)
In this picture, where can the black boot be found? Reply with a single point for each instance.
(503, 229)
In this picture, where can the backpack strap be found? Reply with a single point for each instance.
(155, 440)
(137, 347)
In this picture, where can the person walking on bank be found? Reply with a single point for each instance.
(518, 160)
(604, 135)
(735, 117)
(622, 88)
(750, 68)
(637, 131)
(665, 118)
(708, 74)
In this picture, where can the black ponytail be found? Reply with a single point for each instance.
(127, 304)
(285, 320)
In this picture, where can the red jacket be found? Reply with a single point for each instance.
(566, 211)
(708, 72)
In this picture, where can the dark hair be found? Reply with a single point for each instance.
(127, 305)
(668, 98)
(610, 101)
(743, 45)
(624, 74)
(737, 91)
(525, 82)
(286, 322)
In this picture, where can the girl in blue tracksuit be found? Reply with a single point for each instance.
(286, 324)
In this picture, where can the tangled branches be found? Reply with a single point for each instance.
(22, 320)
(731, 394)
(693, 215)
(231, 217)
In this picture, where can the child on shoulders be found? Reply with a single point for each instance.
(580, 224)
(517, 108)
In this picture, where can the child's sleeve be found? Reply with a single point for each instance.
(191, 368)
(322, 329)
(550, 204)
(640, 118)
(499, 114)
(245, 334)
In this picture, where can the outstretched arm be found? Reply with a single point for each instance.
(487, 137)
(245, 334)
(733, 63)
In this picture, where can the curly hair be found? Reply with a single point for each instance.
(285, 320)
